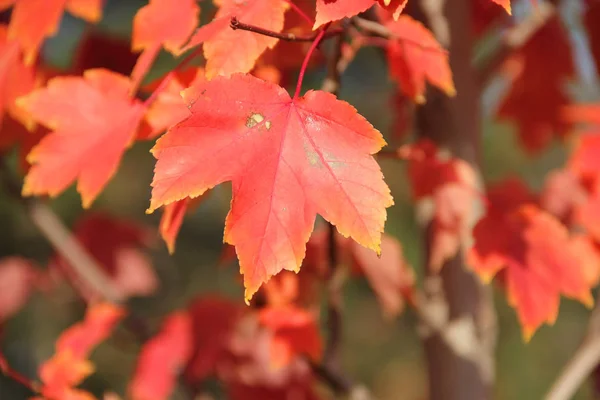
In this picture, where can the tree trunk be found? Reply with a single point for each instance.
(464, 371)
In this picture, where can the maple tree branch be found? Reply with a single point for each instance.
(456, 312)
(515, 38)
(290, 37)
(582, 363)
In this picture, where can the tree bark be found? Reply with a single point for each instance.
(465, 370)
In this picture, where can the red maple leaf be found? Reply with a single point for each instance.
(31, 28)
(450, 184)
(160, 24)
(389, 275)
(590, 20)
(213, 322)
(334, 10)
(228, 51)
(169, 107)
(538, 72)
(93, 121)
(415, 56)
(161, 359)
(288, 159)
(172, 219)
(532, 250)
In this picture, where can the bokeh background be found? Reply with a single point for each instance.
(385, 355)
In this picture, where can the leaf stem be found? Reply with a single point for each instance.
(167, 78)
(312, 48)
(7, 371)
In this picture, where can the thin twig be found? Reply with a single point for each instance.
(63, 241)
(582, 363)
(290, 37)
(10, 373)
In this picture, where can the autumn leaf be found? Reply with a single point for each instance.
(287, 159)
(530, 249)
(333, 10)
(415, 56)
(172, 219)
(390, 275)
(93, 122)
(69, 365)
(286, 57)
(160, 24)
(117, 244)
(169, 107)
(505, 4)
(449, 184)
(295, 333)
(538, 74)
(96, 50)
(228, 51)
(31, 28)
(16, 79)
(213, 323)
(17, 279)
(161, 358)
(395, 7)
(590, 21)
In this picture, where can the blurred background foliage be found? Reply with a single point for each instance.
(384, 355)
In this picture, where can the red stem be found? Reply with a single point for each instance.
(313, 46)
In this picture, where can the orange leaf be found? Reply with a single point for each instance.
(93, 122)
(172, 219)
(69, 365)
(228, 51)
(532, 249)
(333, 10)
(169, 107)
(161, 24)
(390, 276)
(287, 158)
(505, 4)
(34, 20)
(393, 6)
(295, 331)
(162, 358)
(16, 79)
(81, 338)
(415, 57)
